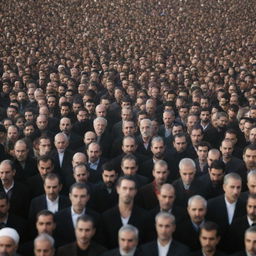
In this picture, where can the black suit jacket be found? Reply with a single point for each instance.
(141, 148)
(95, 175)
(115, 252)
(112, 223)
(176, 249)
(19, 224)
(35, 185)
(200, 253)
(183, 195)
(242, 253)
(65, 232)
(94, 249)
(75, 141)
(20, 199)
(217, 212)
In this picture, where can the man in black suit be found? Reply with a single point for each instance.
(84, 231)
(17, 193)
(209, 238)
(187, 185)
(226, 208)
(79, 196)
(125, 212)
(43, 245)
(249, 242)
(212, 181)
(165, 128)
(249, 157)
(165, 245)
(187, 232)
(147, 195)
(251, 185)
(45, 165)
(128, 238)
(95, 161)
(238, 227)
(105, 195)
(51, 200)
(129, 166)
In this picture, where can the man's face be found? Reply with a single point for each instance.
(166, 199)
(64, 110)
(29, 116)
(81, 174)
(93, 152)
(7, 245)
(127, 241)
(45, 224)
(251, 184)
(192, 120)
(6, 174)
(250, 243)
(232, 190)
(61, 143)
(251, 209)
(232, 137)
(158, 149)
(128, 128)
(187, 174)
(168, 118)
(41, 122)
(209, 241)
(129, 167)
(164, 229)
(202, 153)
(4, 208)
(160, 174)
(129, 146)
(222, 122)
(211, 157)
(109, 178)
(145, 129)
(197, 211)
(11, 112)
(226, 149)
(52, 188)
(216, 175)
(126, 191)
(205, 116)
(44, 146)
(79, 199)
(43, 248)
(89, 137)
(45, 167)
(99, 127)
(84, 232)
(196, 137)
(21, 152)
(12, 133)
(180, 144)
(249, 158)
(65, 125)
(252, 136)
(28, 130)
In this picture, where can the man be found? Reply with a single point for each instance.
(44, 145)
(249, 157)
(105, 196)
(9, 241)
(84, 232)
(188, 231)
(249, 242)
(168, 118)
(213, 154)
(11, 220)
(24, 165)
(209, 238)
(147, 195)
(202, 150)
(187, 185)
(51, 200)
(212, 182)
(164, 245)
(75, 141)
(17, 193)
(89, 137)
(196, 137)
(128, 238)
(129, 166)
(125, 212)
(239, 225)
(95, 161)
(226, 208)
(35, 183)
(79, 196)
(251, 185)
(44, 245)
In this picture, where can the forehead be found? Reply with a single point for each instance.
(232, 182)
(45, 218)
(250, 152)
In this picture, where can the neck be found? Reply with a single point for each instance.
(230, 201)
(8, 185)
(209, 253)
(83, 246)
(164, 242)
(125, 207)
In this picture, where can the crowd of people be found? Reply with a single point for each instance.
(127, 128)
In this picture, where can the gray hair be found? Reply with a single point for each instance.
(161, 163)
(44, 237)
(61, 134)
(187, 162)
(251, 229)
(251, 174)
(165, 215)
(100, 118)
(230, 176)
(197, 198)
(129, 228)
(157, 139)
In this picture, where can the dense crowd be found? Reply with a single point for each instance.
(127, 127)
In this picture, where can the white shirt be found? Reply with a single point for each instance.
(163, 250)
(249, 221)
(52, 206)
(125, 220)
(6, 190)
(61, 156)
(94, 165)
(231, 210)
(75, 216)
